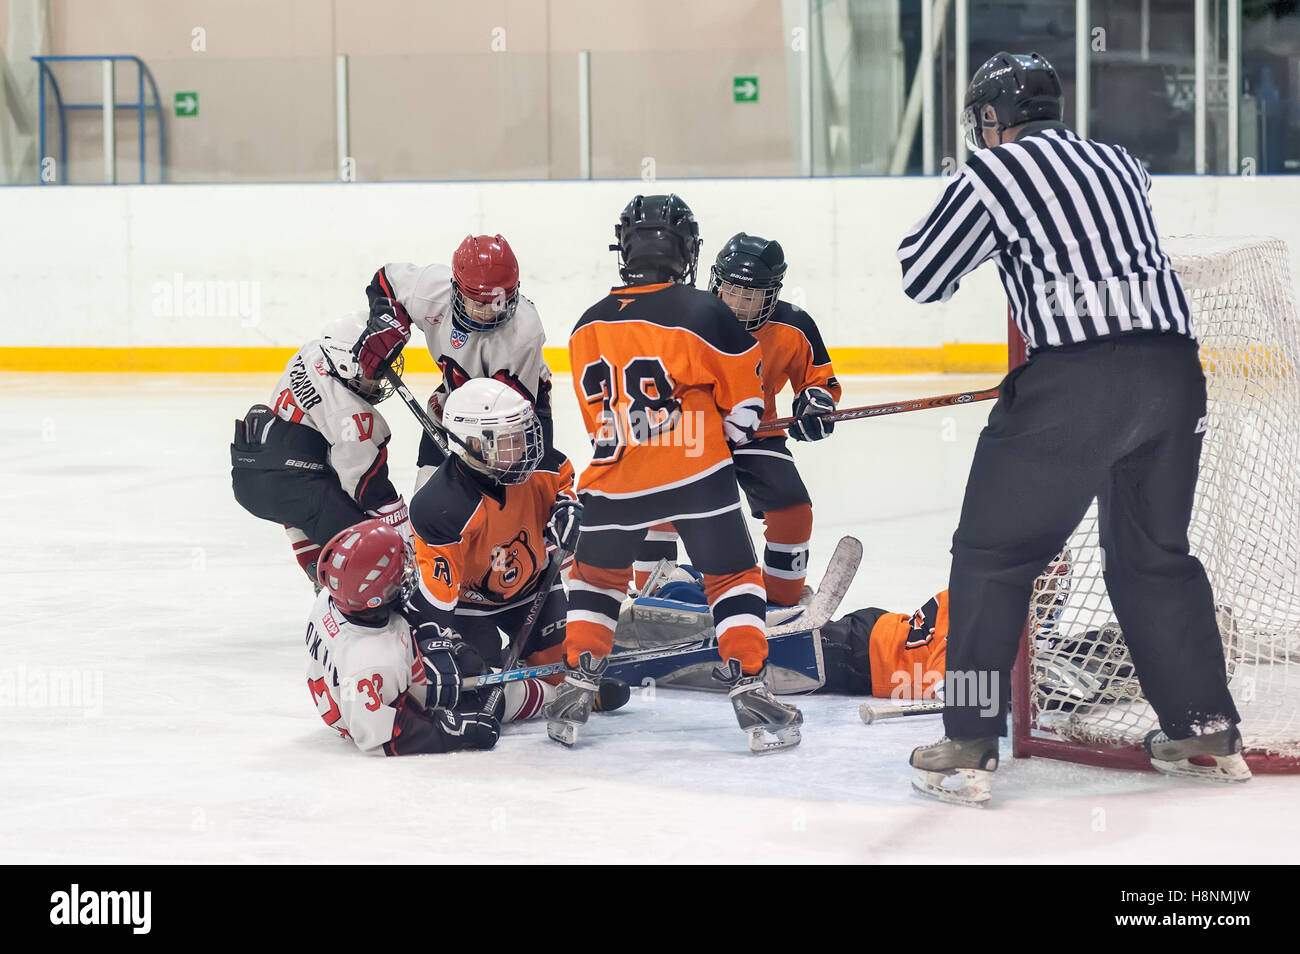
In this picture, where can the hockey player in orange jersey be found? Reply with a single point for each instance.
(485, 525)
(747, 275)
(668, 383)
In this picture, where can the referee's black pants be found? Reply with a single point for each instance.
(1121, 420)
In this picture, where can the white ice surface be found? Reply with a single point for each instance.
(127, 561)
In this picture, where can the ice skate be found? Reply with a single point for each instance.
(1215, 755)
(760, 713)
(959, 771)
(574, 699)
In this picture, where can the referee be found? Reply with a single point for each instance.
(1111, 404)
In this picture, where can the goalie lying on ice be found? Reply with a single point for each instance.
(871, 651)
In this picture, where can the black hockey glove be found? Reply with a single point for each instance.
(564, 524)
(437, 647)
(809, 406)
(388, 329)
(419, 731)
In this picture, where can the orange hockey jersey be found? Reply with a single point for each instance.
(908, 652)
(479, 543)
(665, 376)
(793, 354)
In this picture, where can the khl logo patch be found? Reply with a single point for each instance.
(458, 338)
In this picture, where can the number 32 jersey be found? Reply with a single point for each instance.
(355, 673)
(665, 375)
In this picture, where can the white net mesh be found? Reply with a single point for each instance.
(1245, 526)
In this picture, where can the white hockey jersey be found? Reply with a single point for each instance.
(511, 354)
(357, 433)
(356, 672)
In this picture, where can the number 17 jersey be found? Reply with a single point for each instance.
(664, 375)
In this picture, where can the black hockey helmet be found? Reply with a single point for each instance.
(657, 235)
(1021, 88)
(756, 265)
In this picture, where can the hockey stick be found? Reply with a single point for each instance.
(437, 433)
(896, 407)
(839, 574)
(525, 631)
(872, 713)
(512, 675)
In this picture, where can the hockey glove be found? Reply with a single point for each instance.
(419, 731)
(395, 515)
(437, 646)
(387, 331)
(809, 406)
(739, 426)
(564, 524)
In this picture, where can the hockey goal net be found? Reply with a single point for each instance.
(1075, 696)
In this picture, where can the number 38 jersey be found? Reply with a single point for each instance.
(665, 375)
(355, 672)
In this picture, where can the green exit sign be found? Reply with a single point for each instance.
(187, 104)
(744, 89)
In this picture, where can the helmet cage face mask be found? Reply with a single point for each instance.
(338, 354)
(751, 306)
(972, 130)
(508, 452)
(472, 312)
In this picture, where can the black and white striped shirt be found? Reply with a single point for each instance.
(1069, 224)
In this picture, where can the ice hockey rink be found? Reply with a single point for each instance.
(153, 698)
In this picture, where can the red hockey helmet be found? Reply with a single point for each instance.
(364, 568)
(485, 283)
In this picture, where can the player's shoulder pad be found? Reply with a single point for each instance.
(701, 313)
(532, 318)
(553, 462)
(444, 506)
(794, 317)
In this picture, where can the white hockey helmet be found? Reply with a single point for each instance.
(497, 427)
(337, 342)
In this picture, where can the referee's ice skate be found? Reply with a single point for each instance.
(1211, 755)
(959, 771)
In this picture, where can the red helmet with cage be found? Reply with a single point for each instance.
(364, 568)
(485, 283)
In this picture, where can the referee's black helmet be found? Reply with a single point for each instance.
(1021, 88)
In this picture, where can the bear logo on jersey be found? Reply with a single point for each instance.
(513, 565)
